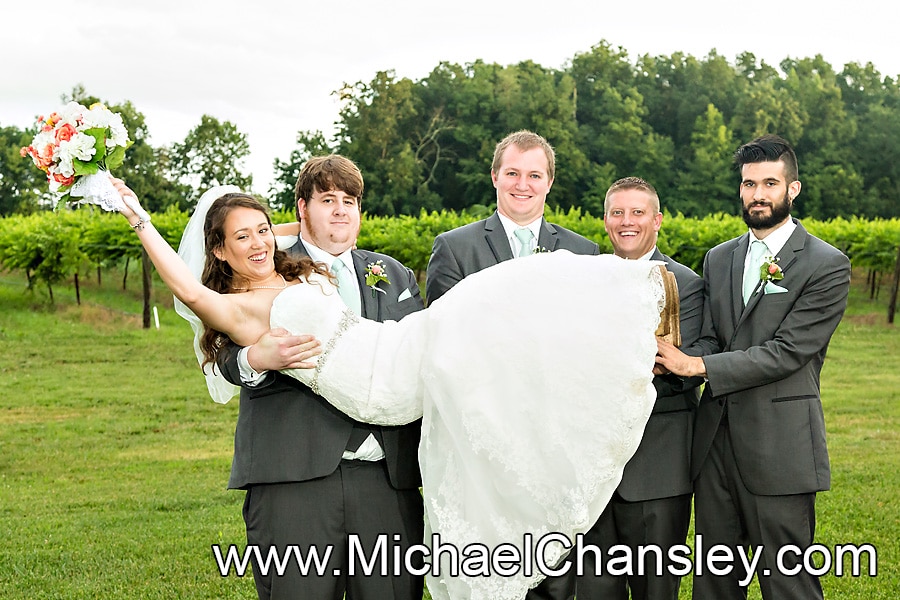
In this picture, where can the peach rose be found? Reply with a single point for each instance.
(62, 180)
(65, 133)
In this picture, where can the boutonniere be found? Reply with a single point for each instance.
(770, 270)
(374, 274)
(539, 250)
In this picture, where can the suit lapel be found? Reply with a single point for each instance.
(657, 255)
(795, 244)
(738, 258)
(369, 297)
(786, 257)
(547, 238)
(298, 249)
(496, 239)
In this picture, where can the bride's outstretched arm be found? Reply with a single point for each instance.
(286, 228)
(214, 309)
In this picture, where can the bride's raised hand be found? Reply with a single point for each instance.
(214, 309)
(133, 211)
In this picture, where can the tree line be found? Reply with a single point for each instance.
(673, 120)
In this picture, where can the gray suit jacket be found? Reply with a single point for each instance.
(468, 249)
(286, 433)
(661, 467)
(476, 246)
(767, 373)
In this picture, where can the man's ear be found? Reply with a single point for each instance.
(301, 209)
(794, 190)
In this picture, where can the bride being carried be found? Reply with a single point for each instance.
(524, 438)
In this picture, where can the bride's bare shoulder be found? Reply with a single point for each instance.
(317, 279)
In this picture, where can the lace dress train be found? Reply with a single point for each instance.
(534, 382)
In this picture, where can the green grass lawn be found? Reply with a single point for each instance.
(114, 461)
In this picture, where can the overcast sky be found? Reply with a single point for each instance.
(271, 67)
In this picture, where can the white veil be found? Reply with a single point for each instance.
(192, 251)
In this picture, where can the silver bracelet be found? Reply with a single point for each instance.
(139, 226)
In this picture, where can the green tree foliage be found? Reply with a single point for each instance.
(829, 191)
(212, 154)
(877, 147)
(674, 120)
(46, 250)
(22, 185)
(309, 144)
(429, 144)
(706, 182)
(679, 88)
(380, 130)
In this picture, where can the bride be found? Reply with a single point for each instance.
(524, 436)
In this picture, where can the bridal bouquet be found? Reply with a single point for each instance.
(76, 147)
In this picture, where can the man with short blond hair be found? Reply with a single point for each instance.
(652, 505)
(522, 173)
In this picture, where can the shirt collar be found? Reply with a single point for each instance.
(776, 240)
(319, 255)
(509, 226)
(649, 254)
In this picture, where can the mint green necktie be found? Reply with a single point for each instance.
(524, 236)
(347, 287)
(751, 273)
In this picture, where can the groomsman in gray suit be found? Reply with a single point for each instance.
(314, 477)
(522, 171)
(652, 505)
(774, 297)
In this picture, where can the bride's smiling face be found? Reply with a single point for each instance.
(249, 246)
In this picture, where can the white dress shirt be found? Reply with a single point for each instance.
(510, 227)
(775, 241)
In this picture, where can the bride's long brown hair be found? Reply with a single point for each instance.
(218, 274)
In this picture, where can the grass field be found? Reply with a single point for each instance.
(113, 459)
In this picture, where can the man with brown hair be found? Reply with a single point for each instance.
(314, 477)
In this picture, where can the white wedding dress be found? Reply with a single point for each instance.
(533, 379)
